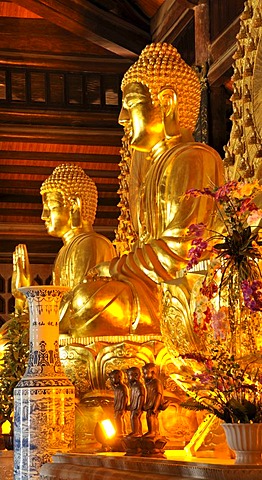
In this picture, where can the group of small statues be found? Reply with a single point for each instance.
(143, 397)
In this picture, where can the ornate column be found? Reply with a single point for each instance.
(44, 400)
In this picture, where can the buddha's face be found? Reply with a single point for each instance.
(55, 215)
(143, 118)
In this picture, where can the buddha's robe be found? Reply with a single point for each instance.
(131, 300)
(75, 259)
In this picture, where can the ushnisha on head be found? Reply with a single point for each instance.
(160, 66)
(72, 182)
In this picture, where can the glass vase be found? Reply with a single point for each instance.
(44, 399)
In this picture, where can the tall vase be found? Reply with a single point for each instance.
(245, 439)
(44, 399)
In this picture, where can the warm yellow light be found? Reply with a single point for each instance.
(6, 427)
(2, 349)
(108, 428)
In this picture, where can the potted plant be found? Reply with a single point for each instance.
(14, 337)
(226, 379)
(231, 390)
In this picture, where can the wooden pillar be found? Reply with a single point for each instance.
(202, 41)
(202, 32)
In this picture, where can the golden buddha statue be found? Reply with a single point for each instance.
(116, 305)
(161, 97)
(69, 207)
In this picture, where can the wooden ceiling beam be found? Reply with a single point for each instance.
(56, 158)
(84, 19)
(61, 135)
(67, 62)
(100, 120)
(41, 36)
(221, 52)
(170, 19)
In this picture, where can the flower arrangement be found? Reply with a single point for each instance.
(226, 379)
(232, 288)
(225, 387)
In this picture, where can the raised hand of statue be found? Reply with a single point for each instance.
(21, 275)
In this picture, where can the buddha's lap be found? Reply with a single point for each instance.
(109, 307)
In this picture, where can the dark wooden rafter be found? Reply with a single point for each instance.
(23, 156)
(71, 135)
(65, 62)
(171, 18)
(42, 36)
(98, 121)
(84, 19)
(221, 51)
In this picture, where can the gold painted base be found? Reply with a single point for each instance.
(88, 361)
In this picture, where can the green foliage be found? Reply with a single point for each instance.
(233, 412)
(15, 337)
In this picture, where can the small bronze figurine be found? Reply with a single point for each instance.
(154, 398)
(152, 443)
(137, 400)
(120, 400)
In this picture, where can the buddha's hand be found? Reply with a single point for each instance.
(100, 270)
(21, 276)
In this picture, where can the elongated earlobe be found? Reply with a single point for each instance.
(168, 104)
(75, 212)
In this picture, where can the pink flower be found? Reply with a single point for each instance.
(247, 205)
(209, 290)
(254, 218)
(219, 324)
(252, 293)
(223, 192)
(195, 253)
(196, 229)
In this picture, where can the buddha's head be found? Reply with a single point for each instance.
(69, 200)
(161, 96)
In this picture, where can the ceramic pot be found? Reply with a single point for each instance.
(245, 439)
(44, 400)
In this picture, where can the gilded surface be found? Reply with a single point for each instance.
(127, 297)
(161, 98)
(131, 295)
(244, 151)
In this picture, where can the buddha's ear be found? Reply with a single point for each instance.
(168, 103)
(75, 212)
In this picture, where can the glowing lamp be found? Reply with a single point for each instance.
(108, 428)
(6, 427)
(105, 433)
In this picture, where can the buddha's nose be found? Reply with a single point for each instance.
(45, 214)
(123, 118)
